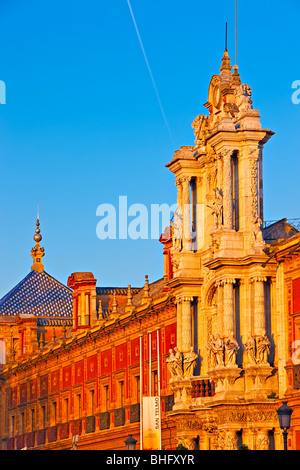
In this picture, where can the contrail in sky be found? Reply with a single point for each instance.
(150, 72)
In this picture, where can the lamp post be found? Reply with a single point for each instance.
(130, 443)
(284, 415)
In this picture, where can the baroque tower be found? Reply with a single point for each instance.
(221, 285)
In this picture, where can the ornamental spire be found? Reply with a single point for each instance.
(226, 66)
(37, 252)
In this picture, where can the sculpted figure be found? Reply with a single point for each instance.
(232, 348)
(217, 207)
(199, 125)
(177, 231)
(250, 349)
(263, 349)
(174, 363)
(243, 95)
(257, 225)
(171, 362)
(211, 353)
(189, 363)
(178, 361)
(216, 350)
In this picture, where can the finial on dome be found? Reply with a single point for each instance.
(37, 252)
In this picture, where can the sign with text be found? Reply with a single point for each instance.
(151, 423)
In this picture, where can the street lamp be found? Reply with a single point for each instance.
(130, 443)
(284, 416)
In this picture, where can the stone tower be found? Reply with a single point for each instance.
(222, 290)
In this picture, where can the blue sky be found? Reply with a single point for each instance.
(82, 124)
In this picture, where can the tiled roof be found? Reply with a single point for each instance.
(38, 294)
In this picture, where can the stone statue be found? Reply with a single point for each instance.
(174, 362)
(257, 228)
(200, 126)
(263, 349)
(178, 361)
(171, 362)
(177, 231)
(216, 351)
(217, 207)
(232, 348)
(189, 363)
(243, 95)
(250, 349)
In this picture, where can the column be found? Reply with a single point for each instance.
(82, 299)
(228, 302)
(186, 211)
(227, 189)
(87, 309)
(179, 322)
(220, 306)
(186, 326)
(259, 319)
(78, 310)
(281, 315)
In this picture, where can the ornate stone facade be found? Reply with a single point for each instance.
(227, 308)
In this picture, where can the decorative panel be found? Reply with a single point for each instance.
(104, 420)
(119, 417)
(135, 413)
(89, 424)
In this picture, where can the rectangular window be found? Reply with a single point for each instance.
(92, 402)
(138, 388)
(66, 410)
(106, 397)
(54, 411)
(154, 383)
(78, 406)
(43, 417)
(121, 392)
(12, 426)
(32, 420)
(22, 423)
